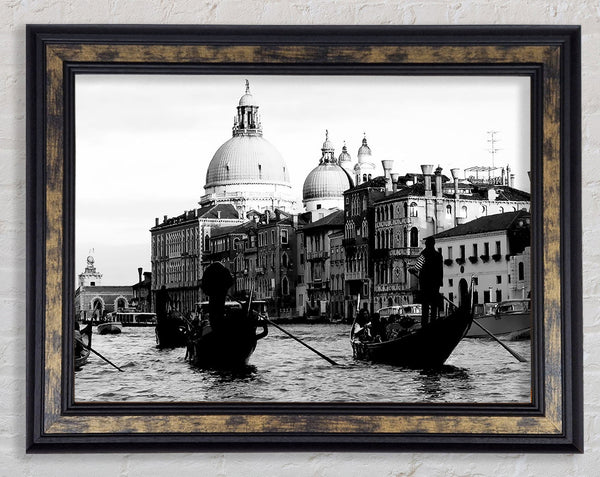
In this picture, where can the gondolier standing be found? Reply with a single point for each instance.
(429, 269)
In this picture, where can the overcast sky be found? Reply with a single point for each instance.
(143, 143)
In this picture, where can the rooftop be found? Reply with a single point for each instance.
(489, 223)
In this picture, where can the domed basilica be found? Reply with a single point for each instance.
(325, 185)
(247, 171)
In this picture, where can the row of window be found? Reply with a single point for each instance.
(385, 238)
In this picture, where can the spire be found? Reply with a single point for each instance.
(247, 87)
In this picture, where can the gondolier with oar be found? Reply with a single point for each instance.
(429, 268)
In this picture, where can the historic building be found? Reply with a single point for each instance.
(325, 184)
(317, 272)
(142, 292)
(177, 244)
(261, 256)
(94, 300)
(337, 269)
(359, 225)
(421, 205)
(496, 250)
(247, 171)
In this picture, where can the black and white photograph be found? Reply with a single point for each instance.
(298, 238)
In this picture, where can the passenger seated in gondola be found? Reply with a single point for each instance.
(375, 329)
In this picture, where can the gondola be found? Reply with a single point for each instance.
(82, 352)
(409, 345)
(109, 328)
(229, 346)
(171, 330)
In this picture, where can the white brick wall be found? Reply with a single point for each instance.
(15, 14)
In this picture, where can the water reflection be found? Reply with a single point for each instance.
(437, 383)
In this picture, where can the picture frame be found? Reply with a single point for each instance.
(548, 55)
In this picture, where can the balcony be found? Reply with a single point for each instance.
(317, 255)
(405, 252)
(389, 287)
(318, 285)
(355, 276)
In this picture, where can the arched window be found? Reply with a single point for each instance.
(364, 177)
(414, 237)
(501, 210)
(369, 177)
(285, 286)
(405, 209)
(464, 211)
(413, 209)
(449, 210)
(483, 210)
(405, 238)
(284, 260)
(206, 243)
(521, 271)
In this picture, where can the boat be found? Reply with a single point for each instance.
(82, 353)
(230, 346)
(406, 343)
(109, 328)
(509, 318)
(135, 318)
(171, 330)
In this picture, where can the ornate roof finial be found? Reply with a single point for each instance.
(326, 134)
(247, 87)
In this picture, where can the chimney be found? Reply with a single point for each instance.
(455, 173)
(164, 218)
(387, 170)
(438, 182)
(427, 169)
(140, 273)
(156, 221)
(529, 175)
(394, 176)
(512, 180)
(218, 214)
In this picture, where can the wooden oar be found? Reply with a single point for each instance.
(331, 361)
(96, 352)
(514, 353)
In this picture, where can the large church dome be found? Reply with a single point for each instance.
(325, 185)
(247, 170)
(326, 181)
(247, 159)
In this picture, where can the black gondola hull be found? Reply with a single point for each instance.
(226, 349)
(171, 331)
(422, 348)
(82, 353)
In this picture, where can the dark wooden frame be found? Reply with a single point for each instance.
(549, 55)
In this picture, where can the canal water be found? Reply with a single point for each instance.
(282, 370)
